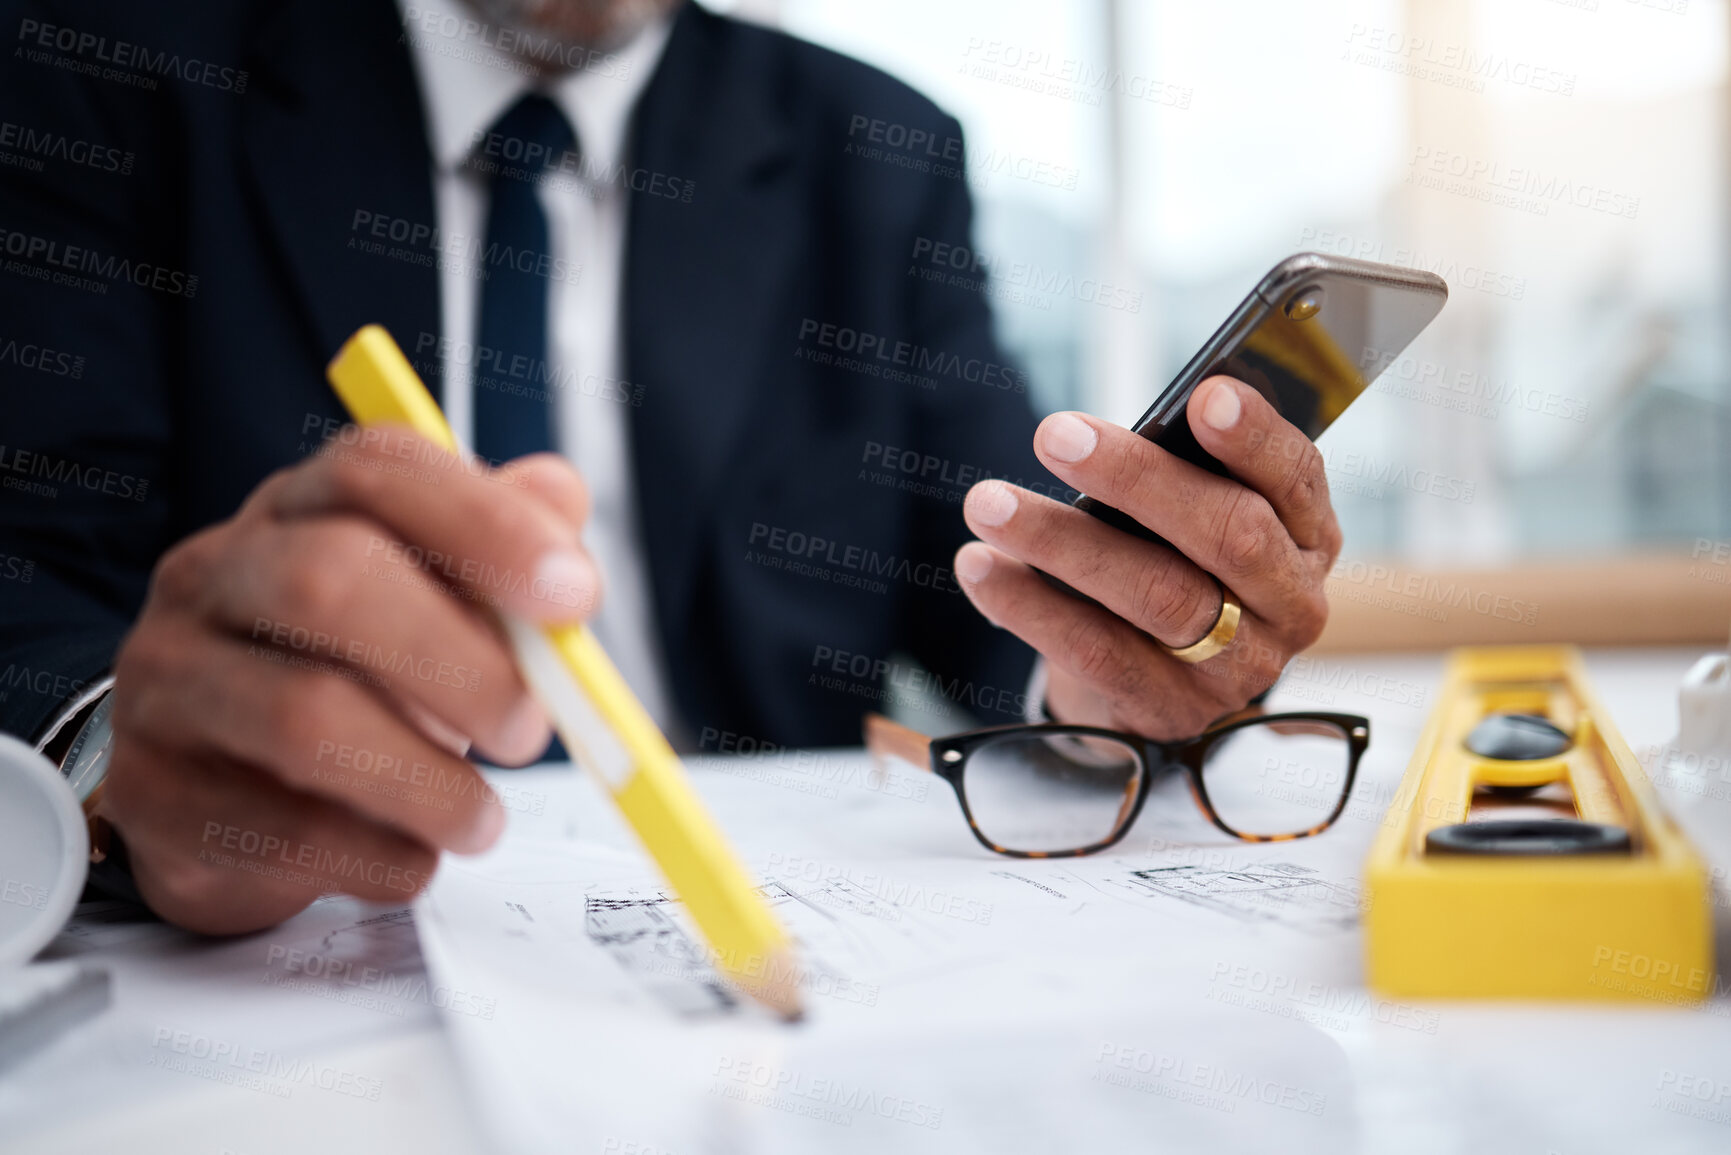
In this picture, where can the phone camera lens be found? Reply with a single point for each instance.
(1305, 304)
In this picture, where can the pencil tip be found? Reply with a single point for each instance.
(778, 987)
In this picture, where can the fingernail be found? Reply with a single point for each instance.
(992, 503)
(524, 733)
(973, 563)
(1222, 409)
(438, 729)
(1067, 437)
(566, 579)
(489, 824)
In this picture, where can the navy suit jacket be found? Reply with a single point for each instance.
(187, 193)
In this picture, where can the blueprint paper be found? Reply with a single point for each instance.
(1182, 992)
(927, 1024)
(1186, 992)
(257, 1012)
(943, 982)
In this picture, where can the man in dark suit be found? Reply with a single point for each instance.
(779, 409)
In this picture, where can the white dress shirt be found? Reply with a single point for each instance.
(467, 83)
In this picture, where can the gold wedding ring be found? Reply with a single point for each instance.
(1220, 636)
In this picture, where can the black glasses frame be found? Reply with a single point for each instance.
(948, 759)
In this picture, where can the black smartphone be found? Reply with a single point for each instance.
(1310, 338)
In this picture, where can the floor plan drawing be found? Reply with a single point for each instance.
(841, 928)
(1279, 893)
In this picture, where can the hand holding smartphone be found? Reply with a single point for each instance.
(1165, 641)
(1311, 337)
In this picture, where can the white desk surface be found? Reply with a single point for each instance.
(421, 1102)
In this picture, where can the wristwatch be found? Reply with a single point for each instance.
(80, 741)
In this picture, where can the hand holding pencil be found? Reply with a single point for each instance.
(293, 703)
(603, 725)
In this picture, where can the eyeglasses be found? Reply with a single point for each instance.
(1056, 791)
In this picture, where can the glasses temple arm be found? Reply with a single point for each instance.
(885, 738)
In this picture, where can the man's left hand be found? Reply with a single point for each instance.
(1268, 533)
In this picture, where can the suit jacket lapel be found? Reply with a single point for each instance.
(337, 143)
(705, 281)
(336, 140)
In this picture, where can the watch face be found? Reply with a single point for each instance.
(87, 761)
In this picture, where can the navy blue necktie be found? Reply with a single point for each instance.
(513, 386)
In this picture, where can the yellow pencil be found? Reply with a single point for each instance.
(602, 723)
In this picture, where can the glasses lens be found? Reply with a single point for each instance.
(1277, 777)
(1048, 793)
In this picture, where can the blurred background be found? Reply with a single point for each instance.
(1138, 164)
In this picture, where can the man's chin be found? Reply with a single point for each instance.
(591, 24)
(517, 13)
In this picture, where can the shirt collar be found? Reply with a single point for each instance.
(469, 77)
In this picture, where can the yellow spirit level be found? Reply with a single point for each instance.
(1525, 855)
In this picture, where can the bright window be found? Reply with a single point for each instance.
(1559, 162)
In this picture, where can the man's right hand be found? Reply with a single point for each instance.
(293, 708)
